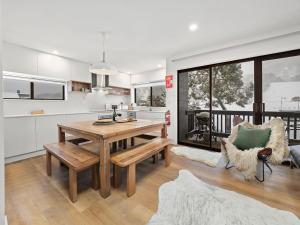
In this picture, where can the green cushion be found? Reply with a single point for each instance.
(252, 137)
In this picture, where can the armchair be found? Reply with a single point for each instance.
(246, 161)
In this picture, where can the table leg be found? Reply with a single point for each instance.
(49, 166)
(114, 147)
(61, 135)
(164, 134)
(61, 138)
(164, 131)
(124, 143)
(132, 141)
(104, 169)
(95, 177)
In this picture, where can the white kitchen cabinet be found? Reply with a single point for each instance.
(53, 66)
(120, 80)
(80, 72)
(19, 136)
(19, 59)
(46, 129)
(81, 117)
(28, 134)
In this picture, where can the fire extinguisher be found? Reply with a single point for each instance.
(168, 117)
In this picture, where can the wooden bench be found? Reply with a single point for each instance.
(129, 159)
(76, 159)
(149, 136)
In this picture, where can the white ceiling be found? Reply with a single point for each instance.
(143, 33)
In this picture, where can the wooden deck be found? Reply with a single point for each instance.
(34, 198)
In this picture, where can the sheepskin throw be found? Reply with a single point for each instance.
(207, 157)
(190, 201)
(246, 161)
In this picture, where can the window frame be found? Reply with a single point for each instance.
(41, 99)
(51, 99)
(151, 95)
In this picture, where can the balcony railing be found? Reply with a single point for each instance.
(222, 122)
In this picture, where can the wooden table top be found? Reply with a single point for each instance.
(110, 130)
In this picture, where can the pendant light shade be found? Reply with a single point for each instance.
(102, 67)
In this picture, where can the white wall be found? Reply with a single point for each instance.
(148, 76)
(76, 101)
(175, 63)
(1, 131)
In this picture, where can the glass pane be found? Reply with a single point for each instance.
(232, 97)
(159, 96)
(13, 88)
(281, 93)
(48, 91)
(233, 86)
(281, 84)
(194, 107)
(142, 96)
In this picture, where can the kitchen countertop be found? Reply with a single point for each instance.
(88, 112)
(126, 110)
(46, 114)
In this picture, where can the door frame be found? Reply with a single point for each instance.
(258, 104)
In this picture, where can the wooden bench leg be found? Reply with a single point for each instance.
(116, 176)
(132, 141)
(155, 158)
(95, 177)
(48, 162)
(131, 180)
(124, 143)
(167, 155)
(114, 147)
(120, 144)
(73, 185)
(162, 154)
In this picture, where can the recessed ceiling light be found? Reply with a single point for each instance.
(193, 27)
(55, 52)
(159, 66)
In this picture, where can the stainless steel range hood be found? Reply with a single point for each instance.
(100, 82)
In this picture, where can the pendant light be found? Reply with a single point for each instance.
(103, 68)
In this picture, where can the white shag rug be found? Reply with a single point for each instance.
(190, 201)
(204, 156)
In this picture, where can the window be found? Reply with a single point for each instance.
(233, 86)
(154, 96)
(15, 88)
(281, 84)
(158, 96)
(47, 91)
(143, 96)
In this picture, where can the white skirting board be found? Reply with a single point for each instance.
(24, 156)
(5, 220)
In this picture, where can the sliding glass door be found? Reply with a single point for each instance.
(214, 98)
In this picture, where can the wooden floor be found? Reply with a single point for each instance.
(33, 198)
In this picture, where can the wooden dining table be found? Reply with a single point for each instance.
(104, 135)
